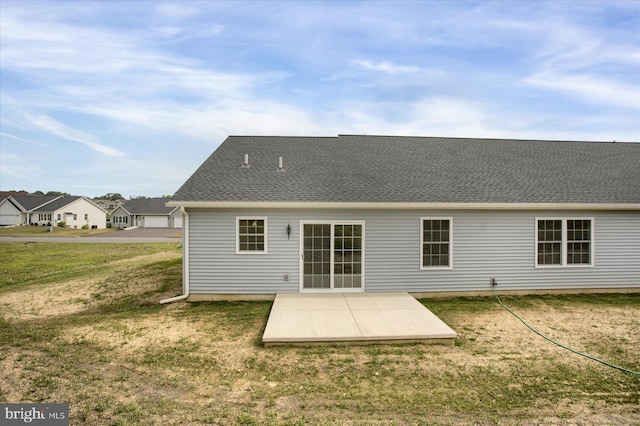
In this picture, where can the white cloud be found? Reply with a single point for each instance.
(391, 68)
(21, 167)
(590, 88)
(23, 139)
(593, 66)
(176, 10)
(170, 30)
(387, 67)
(53, 127)
(432, 116)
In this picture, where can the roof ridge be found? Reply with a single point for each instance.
(482, 139)
(283, 136)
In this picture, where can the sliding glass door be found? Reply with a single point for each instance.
(332, 256)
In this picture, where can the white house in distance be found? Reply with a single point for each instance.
(146, 213)
(424, 215)
(17, 209)
(107, 205)
(75, 211)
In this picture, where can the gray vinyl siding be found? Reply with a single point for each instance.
(499, 244)
(216, 268)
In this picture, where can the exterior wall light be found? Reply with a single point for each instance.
(288, 231)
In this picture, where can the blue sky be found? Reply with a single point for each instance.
(132, 97)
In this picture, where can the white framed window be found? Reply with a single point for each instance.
(436, 243)
(251, 235)
(564, 241)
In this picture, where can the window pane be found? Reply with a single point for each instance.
(326, 281)
(357, 243)
(578, 253)
(337, 282)
(549, 253)
(549, 242)
(357, 281)
(436, 239)
(578, 241)
(251, 234)
(308, 230)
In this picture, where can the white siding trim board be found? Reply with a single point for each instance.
(315, 205)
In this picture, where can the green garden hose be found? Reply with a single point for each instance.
(560, 344)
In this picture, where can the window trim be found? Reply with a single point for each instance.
(565, 243)
(435, 268)
(245, 252)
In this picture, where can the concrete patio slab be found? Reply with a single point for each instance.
(352, 318)
(319, 302)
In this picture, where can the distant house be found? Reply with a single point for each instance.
(74, 211)
(146, 213)
(419, 214)
(17, 209)
(107, 205)
(6, 194)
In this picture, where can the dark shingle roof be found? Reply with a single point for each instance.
(417, 169)
(149, 206)
(30, 202)
(58, 204)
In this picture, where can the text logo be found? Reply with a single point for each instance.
(35, 414)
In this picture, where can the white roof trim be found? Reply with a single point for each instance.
(399, 206)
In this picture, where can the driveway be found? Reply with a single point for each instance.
(138, 235)
(144, 233)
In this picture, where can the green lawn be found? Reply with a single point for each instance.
(81, 323)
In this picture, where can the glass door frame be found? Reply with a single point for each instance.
(331, 288)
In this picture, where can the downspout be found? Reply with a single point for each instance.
(185, 261)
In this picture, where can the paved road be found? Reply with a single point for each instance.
(139, 235)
